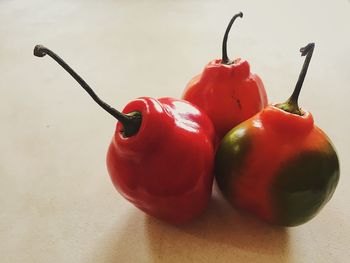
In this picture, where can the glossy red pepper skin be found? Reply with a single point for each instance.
(161, 155)
(278, 166)
(228, 93)
(166, 169)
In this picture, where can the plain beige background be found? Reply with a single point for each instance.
(57, 203)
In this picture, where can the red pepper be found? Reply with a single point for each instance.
(227, 91)
(166, 168)
(161, 155)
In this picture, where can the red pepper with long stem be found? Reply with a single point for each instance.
(226, 90)
(279, 165)
(161, 155)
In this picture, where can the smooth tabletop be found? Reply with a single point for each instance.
(57, 201)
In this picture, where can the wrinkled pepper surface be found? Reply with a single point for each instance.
(227, 91)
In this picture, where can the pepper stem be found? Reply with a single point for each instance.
(225, 60)
(291, 105)
(131, 121)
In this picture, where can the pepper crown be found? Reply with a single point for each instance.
(291, 105)
(225, 60)
(131, 121)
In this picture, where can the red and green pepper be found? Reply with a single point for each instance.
(279, 165)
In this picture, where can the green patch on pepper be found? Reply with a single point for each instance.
(303, 186)
(231, 160)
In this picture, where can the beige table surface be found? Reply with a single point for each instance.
(57, 203)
